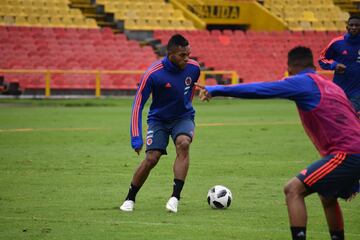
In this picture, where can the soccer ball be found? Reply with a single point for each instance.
(219, 197)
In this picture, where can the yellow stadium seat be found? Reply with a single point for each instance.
(27, 4)
(62, 5)
(51, 11)
(120, 15)
(308, 16)
(163, 14)
(177, 14)
(74, 12)
(130, 24)
(17, 11)
(26, 11)
(187, 24)
(327, 2)
(62, 11)
(330, 26)
(165, 24)
(110, 7)
(56, 21)
(344, 16)
(9, 20)
(153, 23)
(44, 20)
(14, 3)
(91, 23)
(318, 26)
(79, 21)
(21, 21)
(6, 10)
(67, 21)
(131, 14)
(38, 4)
(321, 15)
(167, 7)
(294, 25)
(305, 25)
(33, 20)
(156, 5)
(340, 25)
(302, 2)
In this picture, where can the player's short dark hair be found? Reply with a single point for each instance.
(354, 17)
(175, 41)
(301, 56)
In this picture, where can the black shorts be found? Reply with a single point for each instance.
(333, 175)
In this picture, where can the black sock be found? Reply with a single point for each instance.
(133, 190)
(178, 185)
(298, 233)
(337, 235)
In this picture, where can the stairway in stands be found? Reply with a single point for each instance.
(90, 9)
(349, 6)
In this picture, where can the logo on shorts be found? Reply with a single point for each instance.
(188, 81)
(149, 141)
(303, 172)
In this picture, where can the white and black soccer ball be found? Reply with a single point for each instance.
(219, 197)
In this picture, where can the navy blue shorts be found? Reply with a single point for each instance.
(157, 136)
(333, 176)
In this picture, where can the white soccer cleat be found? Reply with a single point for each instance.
(127, 206)
(172, 204)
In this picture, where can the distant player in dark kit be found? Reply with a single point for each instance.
(343, 55)
(171, 83)
(332, 125)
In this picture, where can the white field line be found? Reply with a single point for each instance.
(51, 129)
(100, 129)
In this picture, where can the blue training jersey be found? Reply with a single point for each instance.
(172, 91)
(300, 88)
(346, 50)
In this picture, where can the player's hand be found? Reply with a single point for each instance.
(340, 68)
(138, 150)
(204, 94)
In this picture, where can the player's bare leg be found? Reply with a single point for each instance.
(295, 193)
(143, 170)
(334, 217)
(181, 164)
(139, 177)
(180, 168)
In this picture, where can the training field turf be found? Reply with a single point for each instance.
(65, 167)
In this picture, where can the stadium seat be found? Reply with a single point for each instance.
(70, 48)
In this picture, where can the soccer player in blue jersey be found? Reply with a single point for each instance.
(332, 125)
(343, 55)
(171, 83)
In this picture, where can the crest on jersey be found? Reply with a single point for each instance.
(149, 141)
(188, 81)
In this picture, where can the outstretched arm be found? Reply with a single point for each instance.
(301, 89)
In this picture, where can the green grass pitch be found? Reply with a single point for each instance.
(65, 167)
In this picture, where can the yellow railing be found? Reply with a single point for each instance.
(233, 74)
(47, 75)
(98, 73)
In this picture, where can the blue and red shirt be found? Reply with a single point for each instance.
(326, 113)
(172, 91)
(346, 50)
